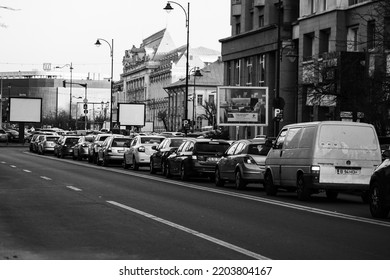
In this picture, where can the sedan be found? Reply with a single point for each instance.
(196, 157)
(112, 150)
(379, 191)
(81, 149)
(242, 163)
(158, 160)
(140, 151)
(47, 143)
(65, 144)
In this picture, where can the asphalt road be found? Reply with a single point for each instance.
(63, 209)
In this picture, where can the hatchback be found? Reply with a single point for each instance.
(81, 149)
(196, 157)
(65, 146)
(243, 163)
(47, 143)
(112, 150)
(379, 191)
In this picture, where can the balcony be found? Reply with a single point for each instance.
(258, 3)
(236, 8)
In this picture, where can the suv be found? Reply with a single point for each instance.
(196, 157)
(94, 147)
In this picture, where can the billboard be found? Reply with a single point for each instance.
(242, 106)
(131, 114)
(22, 109)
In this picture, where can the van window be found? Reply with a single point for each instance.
(292, 138)
(280, 139)
(346, 136)
(307, 137)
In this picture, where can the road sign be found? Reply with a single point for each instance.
(85, 111)
(186, 123)
(85, 106)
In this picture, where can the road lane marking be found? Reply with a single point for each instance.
(25, 170)
(74, 188)
(13, 166)
(46, 178)
(191, 231)
(3, 162)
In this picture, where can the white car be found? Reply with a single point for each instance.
(140, 151)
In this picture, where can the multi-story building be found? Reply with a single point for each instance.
(153, 66)
(320, 59)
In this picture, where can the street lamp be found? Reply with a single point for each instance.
(70, 91)
(98, 44)
(168, 8)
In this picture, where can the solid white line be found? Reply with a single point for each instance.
(193, 232)
(46, 178)
(25, 170)
(74, 188)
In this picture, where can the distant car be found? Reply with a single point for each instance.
(112, 150)
(243, 163)
(379, 191)
(196, 157)
(3, 135)
(140, 151)
(158, 160)
(171, 134)
(384, 142)
(13, 135)
(65, 145)
(81, 149)
(46, 143)
(95, 146)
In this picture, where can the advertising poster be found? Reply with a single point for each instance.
(242, 106)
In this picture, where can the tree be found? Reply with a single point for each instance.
(163, 116)
(210, 113)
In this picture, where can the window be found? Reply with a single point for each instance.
(211, 99)
(308, 46)
(232, 148)
(199, 99)
(324, 41)
(239, 149)
(237, 72)
(249, 70)
(261, 70)
(308, 135)
(352, 44)
(371, 34)
(238, 28)
(280, 139)
(293, 137)
(386, 33)
(261, 20)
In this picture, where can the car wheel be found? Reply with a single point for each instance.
(90, 159)
(124, 164)
(135, 164)
(79, 157)
(168, 173)
(378, 208)
(218, 181)
(303, 191)
(183, 172)
(73, 157)
(164, 168)
(331, 195)
(42, 152)
(152, 169)
(95, 158)
(270, 188)
(104, 161)
(240, 183)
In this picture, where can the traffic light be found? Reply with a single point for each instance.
(64, 83)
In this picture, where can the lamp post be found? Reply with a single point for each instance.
(112, 71)
(70, 91)
(168, 8)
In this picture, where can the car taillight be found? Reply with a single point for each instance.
(197, 157)
(141, 149)
(249, 160)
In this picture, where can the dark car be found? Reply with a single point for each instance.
(243, 163)
(81, 149)
(196, 158)
(379, 191)
(384, 142)
(158, 160)
(13, 135)
(65, 145)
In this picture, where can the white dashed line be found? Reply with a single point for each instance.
(25, 170)
(46, 178)
(74, 188)
(3, 162)
(193, 232)
(13, 166)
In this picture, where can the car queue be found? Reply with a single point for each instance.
(320, 157)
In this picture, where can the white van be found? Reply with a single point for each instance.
(330, 156)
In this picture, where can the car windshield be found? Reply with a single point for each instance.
(119, 142)
(151, 140)
(176, 142)
(258, 149)
(51, 139)
(71, 141)
(211, 147)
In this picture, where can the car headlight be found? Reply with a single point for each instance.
(141, 149)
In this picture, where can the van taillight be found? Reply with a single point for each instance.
(315, 171)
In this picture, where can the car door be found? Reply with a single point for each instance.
(176, 158)
(224, 163)
(273, 160)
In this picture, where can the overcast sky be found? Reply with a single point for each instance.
(61, 32)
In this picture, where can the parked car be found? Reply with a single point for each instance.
(243, 163)
(94, 147)
(379, 192)
(32, 141)
(13, 135)
(46, 143)
(196, 157)
(384, 142)
(3, 135)
(140, 151)
(158, 160)
(112, 149)
(329, 156)
(65, 145)
(81, 149)
(37, 141)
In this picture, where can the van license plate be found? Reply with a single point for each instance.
(344, 171)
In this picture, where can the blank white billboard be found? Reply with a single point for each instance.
(25, 109)
(131, 114)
